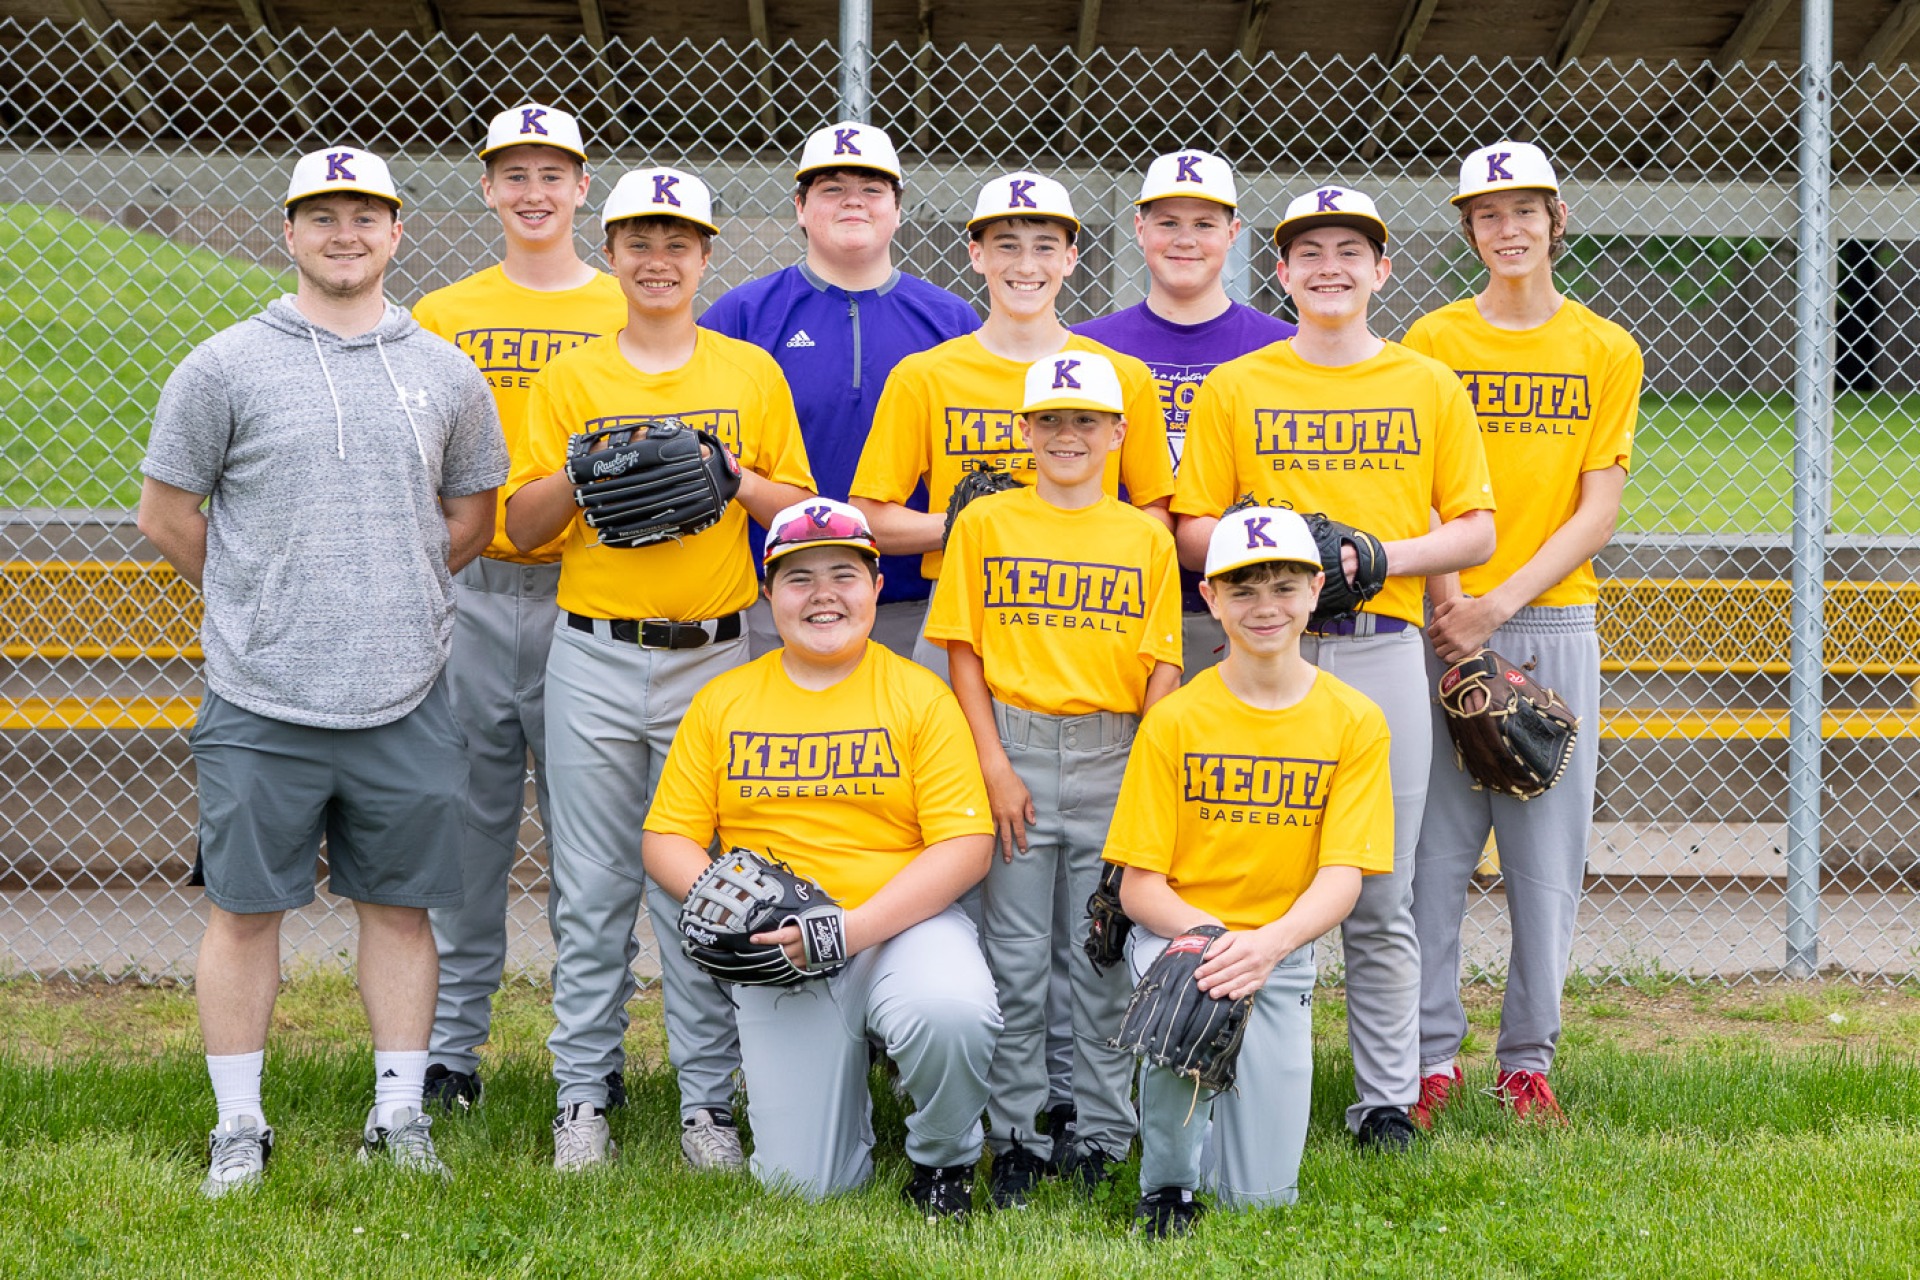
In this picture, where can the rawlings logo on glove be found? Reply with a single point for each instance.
(1514, 735)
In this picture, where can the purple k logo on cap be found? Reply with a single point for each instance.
(1257, 535)
(1506, 166)
(1330, 206)
(1073, 380)
(667, 193)
(533, 124)
(818, 522)
(341, 169)
(849, 145)
(1200, 175)
(1023, 195)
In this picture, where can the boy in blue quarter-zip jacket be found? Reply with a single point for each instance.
(837, 323)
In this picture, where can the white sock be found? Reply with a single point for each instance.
(398, 1077)
(236, 1084)
(1446, 1068)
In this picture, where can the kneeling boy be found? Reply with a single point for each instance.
(855, 767)
(1256, 798)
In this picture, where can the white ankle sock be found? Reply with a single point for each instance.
(398, 1075)
(236, 1084)
(1446, 1068)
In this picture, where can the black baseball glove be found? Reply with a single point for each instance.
(1513, 734)
(973, 485)
(649, 481)
(1339, 598)
(742, 894)
(1172, 1023)
(1107, 922)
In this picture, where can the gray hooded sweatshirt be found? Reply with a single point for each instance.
(328, 601)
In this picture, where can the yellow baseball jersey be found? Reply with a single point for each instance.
(729, 387)
(1375, 444)
(847, 784)
(1240, 808)
(951, 409)
(1554, 403)
(511, 332)
(1068, 610)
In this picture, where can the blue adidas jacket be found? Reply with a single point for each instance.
(837, 349)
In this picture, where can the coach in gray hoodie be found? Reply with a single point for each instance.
(347, 461)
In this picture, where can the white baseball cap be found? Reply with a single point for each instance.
(1073, 380)
(665, 193)
(342, 169)
(1259, 534)
(1023, 195)
(849, 145)
(818, 522)
(531, 123)
(1506, 166)
(1330, 207)
(1199, 174)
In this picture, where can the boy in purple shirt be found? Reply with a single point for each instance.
(1185, 222)
(836, 324)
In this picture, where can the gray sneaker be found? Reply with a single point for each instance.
(237, 1152)
(405, 1142)
(710, 1142)
(581, 1138)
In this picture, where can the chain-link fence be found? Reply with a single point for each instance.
(140, 190)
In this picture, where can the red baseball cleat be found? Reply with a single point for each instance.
(1529, 1096)
(1436, 1091)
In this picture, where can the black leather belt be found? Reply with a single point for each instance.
(664, 633)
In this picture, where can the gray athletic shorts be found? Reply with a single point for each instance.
(391, 801)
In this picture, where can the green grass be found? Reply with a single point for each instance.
(1727, 1159)
(92, 319)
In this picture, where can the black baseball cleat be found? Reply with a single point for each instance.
(1086, 1168)
(941, 1194)
(456, 1092)
(1386, 1129)
(1016, 1172)
(1165, 1212)
(1058, 1122)
(616, 1090)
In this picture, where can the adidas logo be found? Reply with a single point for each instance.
(799, 339)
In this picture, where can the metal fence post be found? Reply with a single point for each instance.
(856, 59)
(1813, 437)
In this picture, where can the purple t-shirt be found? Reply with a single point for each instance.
(1182, 355)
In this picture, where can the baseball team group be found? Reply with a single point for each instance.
(976, 774)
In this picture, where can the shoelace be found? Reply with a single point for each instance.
(236, 1154)
(573, 1141)
(412, 1145)
(715, 1141)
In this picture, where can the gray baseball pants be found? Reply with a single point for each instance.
(497, 678)
(1543, 854)
(612, 710)
(1380, 948)
(1252, 1156)
(1073, 766)
(926, 995)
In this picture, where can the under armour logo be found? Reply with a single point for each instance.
(1020, 194)
(1257, 535)
(1063, 379)
(1329, 200)
(820, 515)
(846, 142)
(530, 118)
(1497, 167)
(337, 170)
(663, 185)
(1187, 169)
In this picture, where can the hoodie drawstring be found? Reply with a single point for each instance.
(339, 422)
(418, 446)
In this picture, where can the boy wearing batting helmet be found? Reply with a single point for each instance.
(347, 461)
(854, 766)
(1059, 610)
(511, 319)
(1257, 798)
(951, 409)
(1557, 392)
(1186, 223)
(837, 323)
(641, 628)
(1335, 421)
